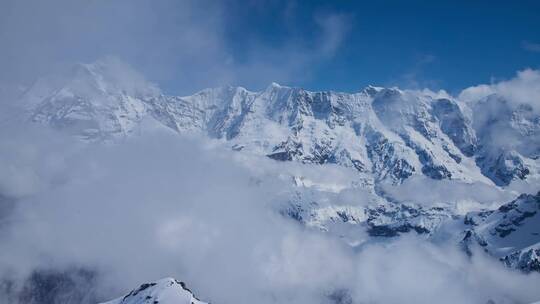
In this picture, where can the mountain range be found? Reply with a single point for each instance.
(385, 139)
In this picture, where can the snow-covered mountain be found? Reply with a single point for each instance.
(385, 134)
(365, 167)
(164, 291)
(383, 137)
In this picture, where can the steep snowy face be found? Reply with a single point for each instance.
(313, 127)
(434, 130)
(213, 111)
(456, 125)
(164, 291)
(513, 225)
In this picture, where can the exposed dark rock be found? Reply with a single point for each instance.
(526, 261)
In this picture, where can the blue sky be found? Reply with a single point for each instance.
(187, 45)
(438, 44)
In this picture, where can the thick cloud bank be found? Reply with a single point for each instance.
(162, 205)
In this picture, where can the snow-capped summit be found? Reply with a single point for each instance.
(164, 291)
(102, 100)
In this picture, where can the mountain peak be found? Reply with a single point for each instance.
(276, 86)
(371, 90)
(164, 291)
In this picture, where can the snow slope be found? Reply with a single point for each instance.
(511, 232)
(164, 291)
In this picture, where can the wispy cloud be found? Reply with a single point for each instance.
(334, 28)
(531, 46)
(182, 45)
(414, 77)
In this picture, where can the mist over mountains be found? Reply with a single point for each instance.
(278, 196)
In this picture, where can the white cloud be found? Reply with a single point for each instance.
(531, 46)
(411, 270)
(137, 212)
(452, 193)
(334, 28)
(522, 89)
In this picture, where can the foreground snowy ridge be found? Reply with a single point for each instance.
(164, 291)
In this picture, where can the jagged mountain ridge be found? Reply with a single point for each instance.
(385, 134)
